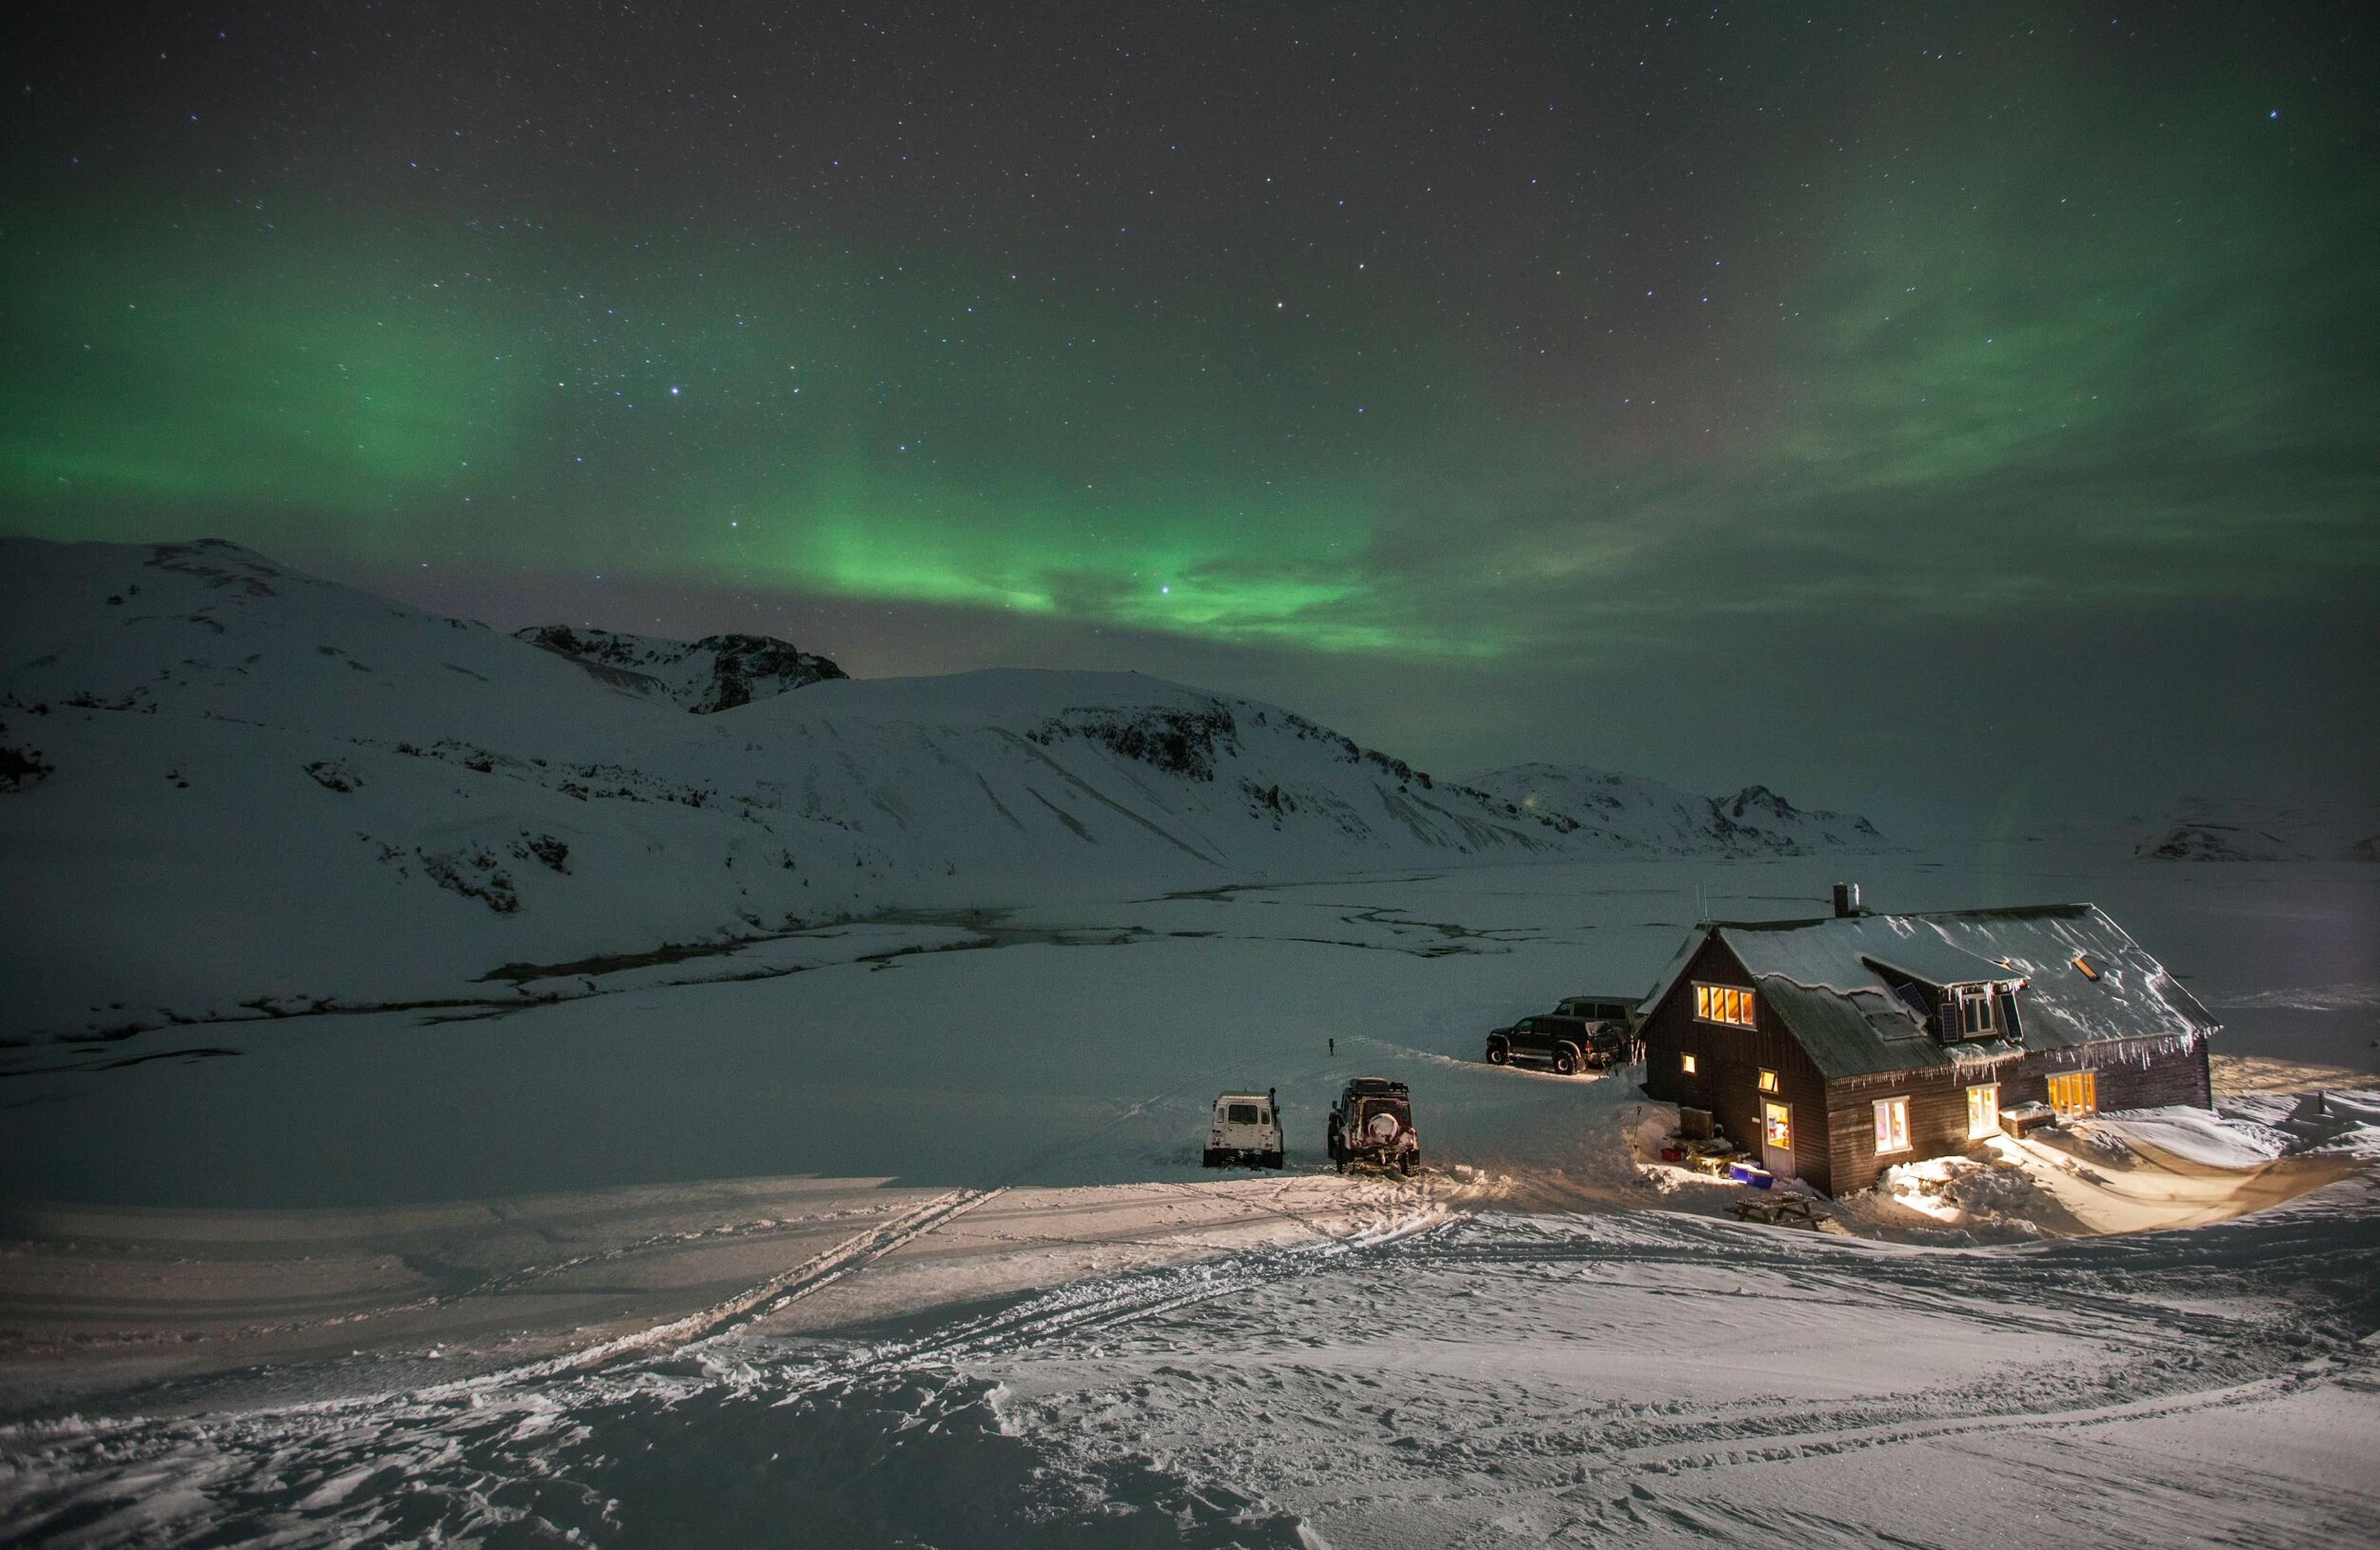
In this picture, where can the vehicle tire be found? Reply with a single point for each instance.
(1408, 1162)
(1212, 1158)
(1341, 1163)
(1498, 1052)
(1273, 1160)
(1565, 1060)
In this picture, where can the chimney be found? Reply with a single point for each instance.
(1846, 903)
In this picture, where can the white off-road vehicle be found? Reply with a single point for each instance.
(1246, 1132)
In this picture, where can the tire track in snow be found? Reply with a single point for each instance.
(1529, 1461)
(822, 1269)
(1786, 1446)
(1136, 1296)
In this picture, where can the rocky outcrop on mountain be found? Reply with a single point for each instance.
(717, 673)
(1177, 742)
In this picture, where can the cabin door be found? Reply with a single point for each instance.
(1776, 1137)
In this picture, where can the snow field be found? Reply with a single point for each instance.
(1620, 1379)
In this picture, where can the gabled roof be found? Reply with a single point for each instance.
(1824, 978)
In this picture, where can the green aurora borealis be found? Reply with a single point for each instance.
(1332, 347)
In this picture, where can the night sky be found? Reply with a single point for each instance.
(1902, 405)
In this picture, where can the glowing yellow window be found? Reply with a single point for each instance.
(1723, 1004)
(2074, 1091)
(1687, 1061)
(2082, 962)
(1983, 1110)
(1892, 1124)
(1768, 1081)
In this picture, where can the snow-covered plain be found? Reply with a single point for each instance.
(1026, 1315)
(884, 1224)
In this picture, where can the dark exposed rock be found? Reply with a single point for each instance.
(333, 775)
(1178, 742)
(717, 673)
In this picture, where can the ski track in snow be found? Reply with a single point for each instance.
(1434, 1377)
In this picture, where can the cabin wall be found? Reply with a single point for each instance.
(1728, 1062)
(2131, 1073)
(2135, 1074)
(1938, 1118)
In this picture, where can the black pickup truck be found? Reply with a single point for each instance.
(1584, 1033)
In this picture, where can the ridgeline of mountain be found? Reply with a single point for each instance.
(1628, 814)
(235, 789)
(717, 673)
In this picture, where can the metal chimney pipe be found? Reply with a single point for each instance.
(1846, 901)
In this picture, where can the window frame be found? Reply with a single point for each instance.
(1892, 1140)
(1993, 1088)
(2087, 1081)
(1686, 1064)
(1979, 1016)
(1769, 1083)
(1713, 1002)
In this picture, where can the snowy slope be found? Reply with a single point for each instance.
(238, 787)
(1629, 815)
(717, 673)
(2206, 829)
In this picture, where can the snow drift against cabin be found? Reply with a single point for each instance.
(277, 793)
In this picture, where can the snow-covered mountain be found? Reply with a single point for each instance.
(1628, 814)
(2210, 829)
(224, 784)
(717, 673)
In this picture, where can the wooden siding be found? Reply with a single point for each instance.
(2135, 1074)
(1729, 1060)
(1938, 1118)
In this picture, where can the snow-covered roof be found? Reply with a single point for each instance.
(1824, 978)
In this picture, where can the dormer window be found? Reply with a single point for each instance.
(2082, 962)
(1976, 1013)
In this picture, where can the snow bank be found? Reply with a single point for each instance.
(1994, 1195)
(2198, 1135)
(2330, 1121)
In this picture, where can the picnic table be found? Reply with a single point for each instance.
(1776, 1210)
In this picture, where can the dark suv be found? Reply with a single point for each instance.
(1566, 1042)
(1372, 1123)
(1602, 1009)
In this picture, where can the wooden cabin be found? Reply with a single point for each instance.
(1831, 1050)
